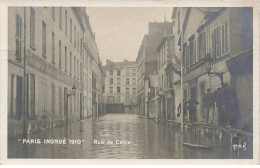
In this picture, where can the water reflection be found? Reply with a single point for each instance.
(148, 140)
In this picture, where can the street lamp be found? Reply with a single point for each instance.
(208, 66)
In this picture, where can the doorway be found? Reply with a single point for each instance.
(19, 99)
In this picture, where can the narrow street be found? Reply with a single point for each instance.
(147, 140)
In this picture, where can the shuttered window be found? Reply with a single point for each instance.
(32, 28)
(18, 38)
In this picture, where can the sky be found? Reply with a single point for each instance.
(119, 30)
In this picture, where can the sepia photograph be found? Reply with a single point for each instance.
(130, 82)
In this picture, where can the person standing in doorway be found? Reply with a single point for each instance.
(192, 108)
(208, 104)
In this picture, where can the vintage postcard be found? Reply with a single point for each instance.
(129, 82)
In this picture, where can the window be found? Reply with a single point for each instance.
(81, 46)
(70, 64)
(118, 89)
(110, 72)
(110, 99)
(133, 72)
(60, 54)
(53, 98)
(43, 39)
(32, 28)
(134, 81)
(192, 53)
(103, 89)
(53, 13)
(224, 37)
(18, 38)
(78, 43)
(74, 67)
(75, 36)
(202, 45)
(110, 89)
(111, 81)
(118, 98)
(133, 90)
(60, 100)
(187, 56)
(60, 23)
(70, 30)
(216, 43)
(127, 81)
(127, 72)
(118, 73)
(53, 48)
(65, 59)
(118, 81)
(179, 24)
(78, 69)
(66, 24)
(127, 91)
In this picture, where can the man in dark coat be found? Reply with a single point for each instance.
(192, 108)
(231, 106)
(220, 105)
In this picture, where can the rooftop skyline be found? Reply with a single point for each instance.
(119, 31)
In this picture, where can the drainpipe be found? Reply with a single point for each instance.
(24, 77)
(182, 115)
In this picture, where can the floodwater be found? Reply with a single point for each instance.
(118, 136)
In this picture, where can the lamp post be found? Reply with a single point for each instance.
(68, 95)
(208, 66)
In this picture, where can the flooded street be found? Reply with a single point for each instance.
(140, 139)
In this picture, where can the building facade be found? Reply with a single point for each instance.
(168, 80)
(147, 61)
(120, 86)
(45, 74)
(210, 39)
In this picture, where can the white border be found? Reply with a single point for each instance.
(117, 3)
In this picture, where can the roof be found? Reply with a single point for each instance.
(110, 65)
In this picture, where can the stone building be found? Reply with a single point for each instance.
(120, 86)
(45, 67)
(168, 80)
(216, 47)
(147, 62)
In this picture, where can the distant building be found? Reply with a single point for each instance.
(120, 85)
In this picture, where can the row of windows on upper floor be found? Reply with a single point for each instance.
(18, 43)
(118, 72)
(218, 45)
(111, 81)
(127, 90)
(78, 42)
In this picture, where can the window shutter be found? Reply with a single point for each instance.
(218, 42)
(226, 38)
(213, 44)
(222, 40)
(204, 44)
